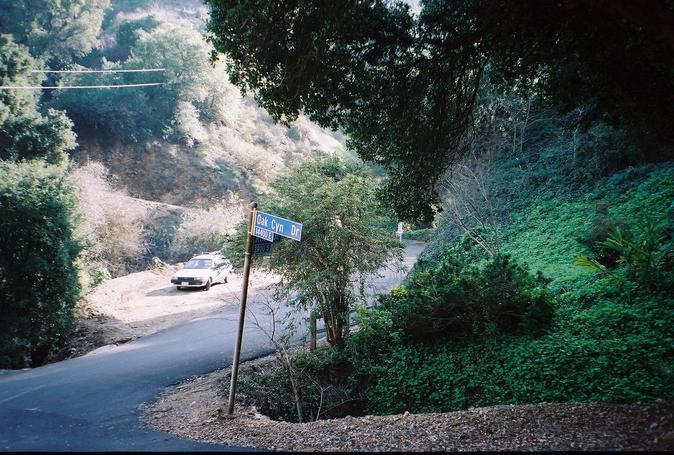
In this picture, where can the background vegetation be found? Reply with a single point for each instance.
(155, 172)
(38, 275)
(548, 278)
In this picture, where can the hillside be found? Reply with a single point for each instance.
(166, 172)
(548, 279)
(212, 158)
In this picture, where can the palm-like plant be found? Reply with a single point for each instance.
(642, 255)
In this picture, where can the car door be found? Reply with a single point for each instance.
(224, 269)
(216, 271)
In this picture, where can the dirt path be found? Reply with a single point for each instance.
(143, 303)
(146, 302)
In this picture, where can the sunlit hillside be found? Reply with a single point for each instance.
(234, 150)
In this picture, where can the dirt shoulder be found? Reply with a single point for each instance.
(195, 409)
(143, 303)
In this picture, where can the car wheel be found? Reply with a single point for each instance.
(208, 285)
(178, 288)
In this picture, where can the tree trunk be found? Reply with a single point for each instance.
(334, 317)
(312, 335)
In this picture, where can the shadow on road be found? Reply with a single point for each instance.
(172, 290)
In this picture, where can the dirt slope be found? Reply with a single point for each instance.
(197, 409)
(142, 303)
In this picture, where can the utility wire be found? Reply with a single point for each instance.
(64, 87)
(147, 70)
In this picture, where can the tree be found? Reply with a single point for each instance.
(38, 277)
(193, 90)
(127, 35)
(24, 132)
(344, 238)
(58, 32)
(404, 87)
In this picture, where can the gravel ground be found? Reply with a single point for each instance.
(195, 410)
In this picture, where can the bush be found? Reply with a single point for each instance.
(619, 349)
(38, 277)
(112, 225)
(455, 299)
(644, 252)
(423, 235)
(599, 232)
(321, 377)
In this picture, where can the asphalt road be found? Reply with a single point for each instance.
(91, 403)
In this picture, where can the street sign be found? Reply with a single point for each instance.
(263, 230)
(261, 246)
(263, 233)
(276, 225)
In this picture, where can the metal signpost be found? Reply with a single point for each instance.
(263, 230)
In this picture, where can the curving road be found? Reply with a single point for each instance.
(91, 403)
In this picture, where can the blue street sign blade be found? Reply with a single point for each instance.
(277, 225)
(263, 233)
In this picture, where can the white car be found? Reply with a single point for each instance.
(202, 271)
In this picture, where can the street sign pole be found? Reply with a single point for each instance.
(242, 309)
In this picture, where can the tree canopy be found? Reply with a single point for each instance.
(192, 91)
(24, 132)
(403, 87)
(57, 31)
(345, 237)
(38, 273)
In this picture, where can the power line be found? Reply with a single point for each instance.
(64, 87)
(147, 70)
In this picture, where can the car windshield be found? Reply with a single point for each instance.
(199, 264)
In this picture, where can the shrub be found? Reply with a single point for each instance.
(38, 277)
(112, 225)
(645, 252)
(321, 377)
(607, 345)
(455, 299)
(599, 232)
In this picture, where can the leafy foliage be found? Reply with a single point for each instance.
(646, 255)
(458, 300)
(58, 32)
(614, 364)
(342, 237)
(404, 87)
(192, 90)
(24, 132)
(38, 277)
(127, 35)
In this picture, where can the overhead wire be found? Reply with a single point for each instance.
(66, 87)
(143, 70)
